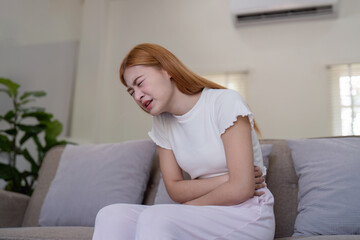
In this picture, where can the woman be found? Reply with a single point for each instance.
(209, 132)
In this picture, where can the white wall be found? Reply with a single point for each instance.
(288, 88)
(38, 49)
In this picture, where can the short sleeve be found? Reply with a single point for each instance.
(158, 133)
(228, 106)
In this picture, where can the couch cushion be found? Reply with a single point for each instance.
(45, 233)
(12, 208)
(326, 237)
(328, 171)
(93, 176)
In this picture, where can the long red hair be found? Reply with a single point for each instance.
(186, 81)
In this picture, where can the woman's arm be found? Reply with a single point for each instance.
(181, 190)
(239, 157)
(190, 191)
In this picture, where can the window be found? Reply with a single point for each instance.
(236, 81)
(345, 95)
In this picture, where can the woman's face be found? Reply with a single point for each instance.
(150, 87)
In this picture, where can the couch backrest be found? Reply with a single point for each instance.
(152, 186)
(282, 181)
(46, 175)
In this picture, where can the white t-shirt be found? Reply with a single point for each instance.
(195, 137)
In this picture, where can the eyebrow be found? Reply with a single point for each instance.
(134, 82)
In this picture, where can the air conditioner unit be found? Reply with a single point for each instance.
(252, 11)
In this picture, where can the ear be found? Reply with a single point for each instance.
(166, 74)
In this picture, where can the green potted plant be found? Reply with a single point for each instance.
(43, 131)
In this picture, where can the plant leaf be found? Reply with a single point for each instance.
(33, 93)
(40, 116)
(38, 143)
(63, 142)
(18, 150)
(14, 183)
(25, 138)
(32, 109)
(5, 172)
(26, 174)
(32, 129)
(54, 128)
(34, 166)
(8, 173)
(12, 87)
(52, 131)
(5, 144)
(11, 131)
(25, 102)
(9, 116)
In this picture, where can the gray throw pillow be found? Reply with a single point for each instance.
(90, 177)
(162, 197)
(328, 197)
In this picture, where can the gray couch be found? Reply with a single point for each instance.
(19, 214)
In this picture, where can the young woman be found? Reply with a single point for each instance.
(209, 132)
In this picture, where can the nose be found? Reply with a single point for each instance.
(138, 95)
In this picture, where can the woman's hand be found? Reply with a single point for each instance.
(179, 189)
(259, 181)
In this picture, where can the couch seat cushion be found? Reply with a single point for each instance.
(324, 237)
(40, 233)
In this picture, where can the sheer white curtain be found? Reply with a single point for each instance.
(345, 98)
(233, 80)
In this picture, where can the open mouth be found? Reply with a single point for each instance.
(147, 104)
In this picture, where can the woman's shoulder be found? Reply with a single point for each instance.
(223, 95)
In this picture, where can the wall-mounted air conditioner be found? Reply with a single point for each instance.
(254, 11)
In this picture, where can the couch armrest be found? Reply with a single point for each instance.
(12, 208)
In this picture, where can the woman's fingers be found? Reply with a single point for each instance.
(259, 193)
(257, 171)
(259, 180)
(258, 186)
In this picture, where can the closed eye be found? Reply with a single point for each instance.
(139, 84)
(130, 90)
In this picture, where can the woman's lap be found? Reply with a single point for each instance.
(252, 219)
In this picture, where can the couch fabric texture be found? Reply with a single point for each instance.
(281, 179)
(92, 176)
(328, 171)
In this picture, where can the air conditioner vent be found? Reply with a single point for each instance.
(287, 13)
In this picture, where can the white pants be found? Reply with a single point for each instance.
(253, 219)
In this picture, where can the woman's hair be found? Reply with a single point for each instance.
(149, 54)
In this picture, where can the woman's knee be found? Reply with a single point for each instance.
(116, 221)
(104, 213)
(113, 211)
(156, 222)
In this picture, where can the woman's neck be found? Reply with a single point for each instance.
(183, 103)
